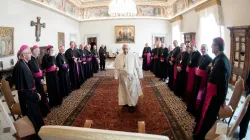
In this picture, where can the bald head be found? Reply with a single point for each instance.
(125, 48)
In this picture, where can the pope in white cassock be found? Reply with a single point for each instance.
(128, 71)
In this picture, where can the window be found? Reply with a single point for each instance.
(176, 34)
(209, 29)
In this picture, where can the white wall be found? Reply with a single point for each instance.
(235, 12)
(144, 30)
(19, 14)
(190, 22)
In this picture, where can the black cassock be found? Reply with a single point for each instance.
(216, 92)
(38, 76)
(102, 53)
(84, 65)
(163, 63)
(27, 93)
(200, 81)
(81, 73)
(95, 61)
(192, 65)
(168, 59)
(63, 75)
(157, 63)
(146, 54)
(181, 77)
(73, 69)
(49, 65)
(89, 63)
(152, 69)
(172, 71)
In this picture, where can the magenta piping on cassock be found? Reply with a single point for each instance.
(211, 91)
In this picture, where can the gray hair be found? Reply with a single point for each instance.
(205, 46)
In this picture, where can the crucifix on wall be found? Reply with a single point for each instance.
(38, 25)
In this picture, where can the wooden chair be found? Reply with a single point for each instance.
(88, 123)
(24, 127)
(141, 125)
(228, 111)
(211, 135)
(13, 106)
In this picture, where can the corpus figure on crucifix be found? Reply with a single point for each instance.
(38, 27)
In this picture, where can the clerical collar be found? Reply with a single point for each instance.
(24, 60)
(219, 54)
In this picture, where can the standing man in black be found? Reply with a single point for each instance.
(102, 53)
(172, 69)
(146, 54)
(71, 56)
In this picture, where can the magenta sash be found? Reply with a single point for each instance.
(211, 91)
(148, 59)
(204, 76)
(172, 59)
(95, 56)
(156, 56)
(51, 69)
(89, 59)
(190, 82)
(65, 65)
(38, 74)
(190, 77)
(84, 59)
(162, 59)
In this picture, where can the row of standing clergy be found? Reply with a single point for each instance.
(60, 74)
(199, 80)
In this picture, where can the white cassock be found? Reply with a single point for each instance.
(128, 71)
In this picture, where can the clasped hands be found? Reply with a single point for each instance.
(178, 68)
(170, 62)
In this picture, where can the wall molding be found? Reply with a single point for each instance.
(180, 17)
(207, 4)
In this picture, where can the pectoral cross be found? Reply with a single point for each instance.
(38, 28)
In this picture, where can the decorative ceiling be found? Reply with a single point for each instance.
(83, 10)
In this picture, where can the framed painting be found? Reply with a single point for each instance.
(6, 41)
(43, 50)
(161, 38)
(124, 34)
(61, 39)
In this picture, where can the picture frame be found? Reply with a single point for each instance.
(159, 37)
(43, 50)
(61, 39)
(125, 34)
(6, 41)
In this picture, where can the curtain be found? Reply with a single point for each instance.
(210, 25)
(176, 31)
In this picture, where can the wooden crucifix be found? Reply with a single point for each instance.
(38, 27)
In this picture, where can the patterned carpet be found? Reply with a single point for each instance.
(162, 111)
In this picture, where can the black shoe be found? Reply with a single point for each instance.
(125, 106)
(104, 69)
(131, 109)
